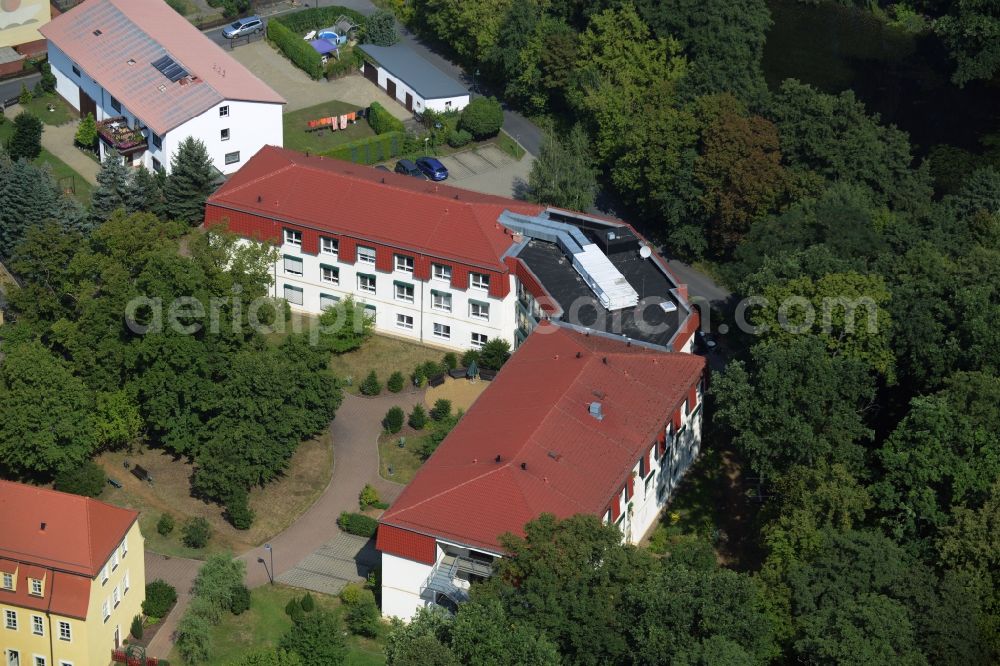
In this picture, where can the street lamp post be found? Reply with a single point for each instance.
(270, 573)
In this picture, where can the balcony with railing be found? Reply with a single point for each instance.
(454, 575)
(116, 133)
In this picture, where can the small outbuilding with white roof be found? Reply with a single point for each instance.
(411, 80)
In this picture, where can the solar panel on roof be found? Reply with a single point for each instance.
(169, 68)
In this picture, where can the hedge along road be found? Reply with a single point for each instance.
(527, 133)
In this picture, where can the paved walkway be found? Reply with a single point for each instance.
(312, 553)
(60, 141)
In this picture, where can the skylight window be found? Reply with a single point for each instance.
(169, 68)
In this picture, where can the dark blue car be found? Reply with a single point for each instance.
(432, 168)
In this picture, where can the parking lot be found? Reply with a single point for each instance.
(486, 169)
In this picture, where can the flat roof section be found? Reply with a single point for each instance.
(407, 65)
(648, 322)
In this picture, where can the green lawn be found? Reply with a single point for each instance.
(404, 461)
(507, 144)
(297, 138)
(60, 114)
(384, 355)
(266, 622)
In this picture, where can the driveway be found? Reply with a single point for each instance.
(488, 170)
(301, 91)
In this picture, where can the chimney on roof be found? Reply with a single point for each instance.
(579, 354)
(497, 459)
(524, 465)
(597, 411)
(604, 360)
(42, 527)
(259, 198)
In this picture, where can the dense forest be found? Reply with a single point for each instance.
(876, 437)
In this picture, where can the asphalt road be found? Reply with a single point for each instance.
(10, 89)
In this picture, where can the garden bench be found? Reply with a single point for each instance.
(487, 375)
(457, 373)
(140, 473)
(115, 483)
(436, 380)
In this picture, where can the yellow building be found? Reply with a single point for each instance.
(20, 21)
(72, 577)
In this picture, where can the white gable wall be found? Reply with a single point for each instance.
(419, 103)
(251, 125)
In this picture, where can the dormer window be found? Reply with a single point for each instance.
(8, 581)
(36, 587)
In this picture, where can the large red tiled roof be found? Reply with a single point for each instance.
(63, 594)
(79, 536)
(536, 412)
(393, 209)
(143, 31)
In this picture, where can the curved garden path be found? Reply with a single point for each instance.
(355, 433)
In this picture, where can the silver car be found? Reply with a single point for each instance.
(244, 26)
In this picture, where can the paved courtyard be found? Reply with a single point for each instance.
(301, 91)
(342, 560)
(489, 170)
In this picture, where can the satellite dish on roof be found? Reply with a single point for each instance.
(645, 252)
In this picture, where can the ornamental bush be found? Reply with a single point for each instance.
(393, 420)
(357, 524)
(459, 138)
(26, 141)
(381, 121)
(371, 385)
(450, 361)
(86, 132)
(160, 598)
(482, 118)
(241, 600)
(196, 533)
(368, 497)
(362, 616)
(418, 417)
(441, 409)
(469, 356)
(165, 525)
(395, 383)
(308, 603)
(238, 511)
(87, 479)
(494, 354)
(136, 628)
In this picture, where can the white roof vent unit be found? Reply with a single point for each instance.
(608, 284)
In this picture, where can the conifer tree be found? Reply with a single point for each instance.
(27, 139)
(112, 188)
(190, 182)
(144, 193)
(86, 132)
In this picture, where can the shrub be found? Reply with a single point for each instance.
(318, 17)
(292, 606)
(357, 524)
(48, 80)
(217, 582)
(26, 141)
(418, 417)
(482, 118)
(380, 28)
(469, 356)
(494, 354)
(437, 435)
(165, 525)
(307, 603)
(241, 600)
(368, 497)
(419, 378)
(238, 511)
(295, 49)
(441, 409)
(371, 149)
(450, 360)
(196, 533)
(87, 479)
(136, 628)
(395, 383)
(349, 62)
(25, 97)
(351, 593)
(371, 385)
(381, 121)
(317, 638)
(160, 598)
(393, 420)
(459, 138)
(431, 368)
(362, 616)
(193, 638)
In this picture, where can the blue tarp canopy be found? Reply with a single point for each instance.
(323, 46)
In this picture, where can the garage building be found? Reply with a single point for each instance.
(411, 80)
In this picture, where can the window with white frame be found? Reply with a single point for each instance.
(8, 581)
(404, 321)
(404, 292)
(104, 574)
(293, 294)
(479, 280)
(404, 263)
(366, 283)
(39, 660)
(114, 560)
(37, 625)
(329, 274)
(36, 586)
(105, 610)
(293, 237)
(329, 246)
(65, 631)
(442, 331)
(116, 596)
(11, 619)
(124, 547)
(126, 583)
(366, 255)
(440, 272)
(479, 310)
(440, 301)
(327, 301)
(478, 340)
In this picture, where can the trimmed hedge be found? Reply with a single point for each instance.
(349, 62)
(371, 150)
(295, 48)
(357, 524)
(382, 121)
(317, 18)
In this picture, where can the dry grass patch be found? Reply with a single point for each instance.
(277, 505)
(384, 355)
(461, 392)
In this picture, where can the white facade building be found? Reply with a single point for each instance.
(151, 80)
(411, 80)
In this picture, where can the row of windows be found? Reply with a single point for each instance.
(402, 262)
(14, 658)
(121, 551)
(36, 585)
(116, 598)
(402, 291)
(38, 625)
